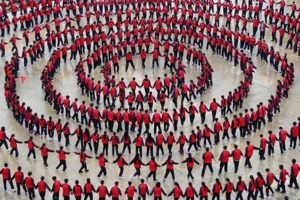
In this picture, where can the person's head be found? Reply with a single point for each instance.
(66, 180)
(53, 178)
(294, 161)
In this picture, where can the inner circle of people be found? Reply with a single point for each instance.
(100, 34)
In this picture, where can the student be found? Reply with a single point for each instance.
(130, 191)
(19, 179)
(190, 164)
(115, 191)
(176, 192)
(170, 167)
(42, 186)
(152, 167)
(158, 191)
(88, 189)
(102, 191)
(121, 162)
(190, 192)
(29, 184)
(207, 161)
(7, 177)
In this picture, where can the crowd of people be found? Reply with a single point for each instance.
(180, 29)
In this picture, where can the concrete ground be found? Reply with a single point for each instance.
(225, 78)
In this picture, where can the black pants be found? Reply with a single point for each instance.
(152, 173)
(105, 149)
(83, 166)
(169, 171)
(236, 165)
(102, 171)
(10, 182)
(121, 171)
(293, 180)
(204, 167)
(62, 163)
(32, 151)
(223, 164)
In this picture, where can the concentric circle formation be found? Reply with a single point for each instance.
(130, 84)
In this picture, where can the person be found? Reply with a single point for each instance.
(143, 190)
(102, 160)
(217, 189)
(204, 190)
(55, 188)
(158, 191)
(260, 182)
(102, 191)
(29, 184)
(6, 175)
(44, 153)
(269, 180)
(236, 155)
(228, 188)
(77, 190)
(282, 179)
(152, 167)
(42, 186)
(224, 158)
(207, 161)
(293, 175)
(88, 189)
(190, 164)
(170, 168)
(19, 179)
(62, 158)
(13, 144)
(176, 192)
(248, 153)
(121, 162)
(31, 147)
(130, 191)
(82, 158)
(115, 191)
(137, 165)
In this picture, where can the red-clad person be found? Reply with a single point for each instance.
(29, 184)
(55, 188)
(13, 144)
(102, 191)
(62, 158)
(190, 161)
(143, 190)
(19, 179)
(190, 192)
(6, 175)
(293, 175)
(176, 192)
(158, 191)
(181, 140)
(224, 158)
(121, 162)
(82, 158)
(152, 167)
(44, 153)
(115, 191)
(137, 162)
(88, 189)
(130, 191)
(31, 147)
(66, 189)
(42, 186)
